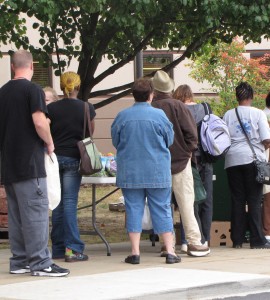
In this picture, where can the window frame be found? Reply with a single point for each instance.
(158, 55)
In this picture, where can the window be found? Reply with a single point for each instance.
(42, 75)
(155, 61)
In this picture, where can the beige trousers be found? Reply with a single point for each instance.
(183, 188)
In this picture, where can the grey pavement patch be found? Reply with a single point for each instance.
(140, 283)
(256, 289)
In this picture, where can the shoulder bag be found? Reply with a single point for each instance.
(199, 190)
(262, 167)
(90, 156)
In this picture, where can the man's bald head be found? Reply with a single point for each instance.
(21, 59)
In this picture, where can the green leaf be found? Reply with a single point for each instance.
(57, 73)
(88, 31)
(35, 25)
(42, 41)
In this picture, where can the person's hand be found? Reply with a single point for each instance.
(50, 148)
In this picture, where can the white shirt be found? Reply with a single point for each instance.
(267, 112)
(256, 126)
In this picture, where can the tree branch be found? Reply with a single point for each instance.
(111, 90)
(83, 65)
(112, 99)
(94, 62)
(192, 47)
(123, 62)
(57, 52)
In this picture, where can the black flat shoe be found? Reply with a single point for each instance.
(237, 246)
(133, 259)
(173, 259)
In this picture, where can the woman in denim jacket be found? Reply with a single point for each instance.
(142, 136)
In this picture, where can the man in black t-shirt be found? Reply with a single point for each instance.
(24, 136)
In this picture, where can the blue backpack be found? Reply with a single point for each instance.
(214, 136)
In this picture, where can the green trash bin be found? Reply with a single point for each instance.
(221, 193)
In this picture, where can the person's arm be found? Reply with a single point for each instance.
(43, 129)
(93, 126)
(115, 132)
(266, 144)
(189, 129)
(92, 116)
(167, 129)
(264, 130)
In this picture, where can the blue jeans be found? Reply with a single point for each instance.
(204, 210)
(65, 231)
(159, 202)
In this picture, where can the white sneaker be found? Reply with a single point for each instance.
(205, 244)
(198, 250)
(184, 248)
(268, 238)
(24, 270)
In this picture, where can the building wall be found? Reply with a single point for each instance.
(106, 115)
(103, 121)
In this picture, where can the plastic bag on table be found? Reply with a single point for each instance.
(111, 167)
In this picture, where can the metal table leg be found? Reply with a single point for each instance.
(94, 220)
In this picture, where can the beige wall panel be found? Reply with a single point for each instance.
(120, 77)
(5, 70)
(181, 76)
(112, 109)
(263, 45)
(103, 128)
(103, 121)
(105, 146)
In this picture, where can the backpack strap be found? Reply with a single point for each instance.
(246, 135)
(207, 108)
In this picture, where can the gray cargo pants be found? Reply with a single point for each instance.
(28, 223)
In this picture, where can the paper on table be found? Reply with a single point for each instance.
(98, 180)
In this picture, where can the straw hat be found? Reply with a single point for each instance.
(162, 82)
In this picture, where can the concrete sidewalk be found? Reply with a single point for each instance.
(224, 272)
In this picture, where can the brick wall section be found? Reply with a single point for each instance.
(3, 208)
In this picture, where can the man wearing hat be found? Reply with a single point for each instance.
(185, 142)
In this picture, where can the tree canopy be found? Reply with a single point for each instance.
(224, 66)
(120, 29)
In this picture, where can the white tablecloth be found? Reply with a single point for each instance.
(98, 180)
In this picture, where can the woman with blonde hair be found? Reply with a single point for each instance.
(50, 95)
(204, 210)
(67, 122)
